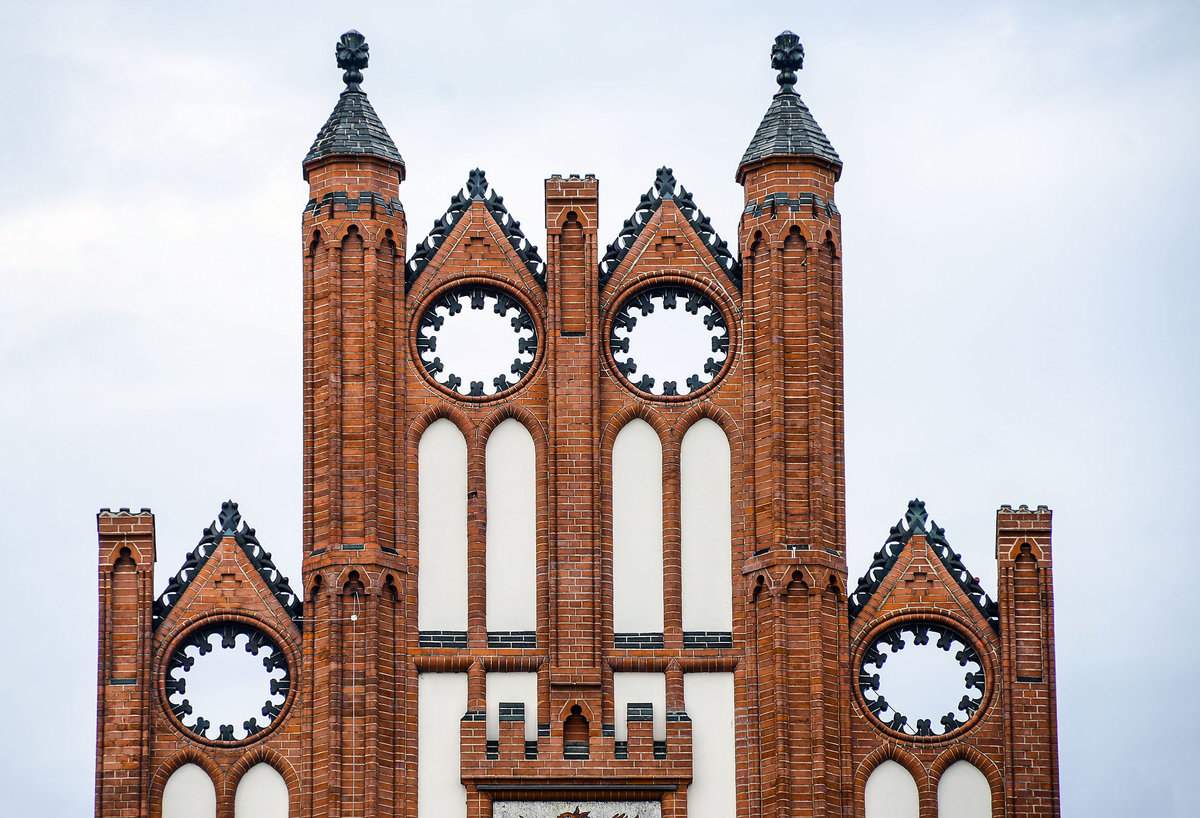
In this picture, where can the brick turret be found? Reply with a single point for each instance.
(354, 236)
(790, 232)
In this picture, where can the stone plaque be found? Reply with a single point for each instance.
(576, 809)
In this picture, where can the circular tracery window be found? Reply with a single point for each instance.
(477, 341)
(669, 340)
(921, 679)
(227, 681)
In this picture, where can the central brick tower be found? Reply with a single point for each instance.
(575, 536)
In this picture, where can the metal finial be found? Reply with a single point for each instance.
(351, 51)
(787, 57)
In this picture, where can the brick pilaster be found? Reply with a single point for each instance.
(124, 680)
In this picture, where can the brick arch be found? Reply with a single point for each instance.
(188, 755)
(271, 757)
(633, 411)
(966, 752)
(116, 554)
(512, 411)
(441, 411)
(370, 238)
(707, 411)
(1035, 550)
(581, 218)
(830, 240)
(888, 752)
(798, 578)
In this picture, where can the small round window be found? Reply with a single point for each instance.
(477, 341)
(669, 341)
(227, 682)
(921, 679)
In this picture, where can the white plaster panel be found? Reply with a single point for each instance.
(708, 699)
(594, 809)
(640, 687)
(964, 792)
(637, 530)
(511, 687)
(189, 794)
(706, 528)
(511, 529)
(441, 703)
(891, 792)
(442, 529)
(261, 793)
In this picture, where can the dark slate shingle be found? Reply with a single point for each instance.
(788, 129)
(353, 128)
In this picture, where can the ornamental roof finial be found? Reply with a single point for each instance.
(787, 57)
(351, 51)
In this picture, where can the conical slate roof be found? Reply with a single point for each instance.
(353, 128)
(788, 128)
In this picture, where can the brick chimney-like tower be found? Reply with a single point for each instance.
(575, 537)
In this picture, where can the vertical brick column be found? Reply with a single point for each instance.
(1026, 598)
(574, 458)
(124, 680)
(792, 316)
(354, 234)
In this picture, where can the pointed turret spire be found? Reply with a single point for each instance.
(788, 129)
(353, 129)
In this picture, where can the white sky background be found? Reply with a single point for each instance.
(1020, 288)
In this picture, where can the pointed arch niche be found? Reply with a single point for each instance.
(511, 529)
(261, 793)
(891, 792)
(442, 529)
(706, 530)
(189, 793)
(963, 792)
(637, 530)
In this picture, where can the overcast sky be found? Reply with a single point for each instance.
(1019, 212)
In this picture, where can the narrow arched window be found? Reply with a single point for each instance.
(637, 530)
(511, 533)
(189, 794)
(442, 531)
(964, 792)
(891, 793)
(261, 793)
(705, 532)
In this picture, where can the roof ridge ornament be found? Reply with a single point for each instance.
(476, 189)
(665, 187)
(916, 522)
(352, 54)
(787, 57)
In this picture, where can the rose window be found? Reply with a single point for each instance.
(227, 681)
(921, 679)
(669, 341)
(477, 341)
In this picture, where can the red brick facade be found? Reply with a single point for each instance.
(806, 742)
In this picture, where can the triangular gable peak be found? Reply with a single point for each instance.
(664, 189)
(476, 190)
(916, 523)
(259, 559)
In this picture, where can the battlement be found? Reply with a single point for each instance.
(639, 758)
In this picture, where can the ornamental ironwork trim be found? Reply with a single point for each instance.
(226, 525)
(476, 190)
(916, 521)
